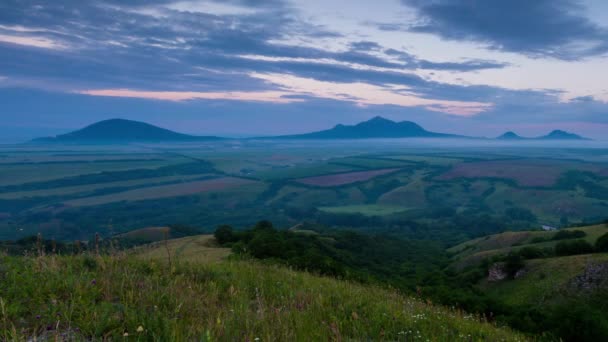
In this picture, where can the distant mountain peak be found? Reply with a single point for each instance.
(121, 130)
(376, 127)
(510, 135)
(558, 134)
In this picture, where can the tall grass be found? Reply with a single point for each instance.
(116, 297)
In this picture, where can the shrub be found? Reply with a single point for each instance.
(601, 245)
(513, 263)
(531, 253)
(224, 234)
(569, 234)
(573, 247)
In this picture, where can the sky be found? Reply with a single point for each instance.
(255, 67)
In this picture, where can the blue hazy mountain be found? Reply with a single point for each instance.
(377, 127)
(121, 130)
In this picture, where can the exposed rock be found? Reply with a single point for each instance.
(522, 272)
(594, 277)
(497, 272)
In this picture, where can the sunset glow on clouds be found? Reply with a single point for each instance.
(446, 63)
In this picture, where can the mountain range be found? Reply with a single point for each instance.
(121, 130)
(554, 135)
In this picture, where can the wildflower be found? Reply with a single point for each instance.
(140, 329)
(126, 334)
(37, 316)
(256, 339)
(94, 282)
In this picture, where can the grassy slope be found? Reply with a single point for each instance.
(545, 280)
(473, 251)
(228, 300)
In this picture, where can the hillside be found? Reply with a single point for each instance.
(474, 251)
(83, 297)
(121, 130)
(553, 135)
(377, 127)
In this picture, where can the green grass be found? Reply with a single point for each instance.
(72, 190)
(19, 174)
(474, 251)
(544, 280)
(365, 209)
(83, 298)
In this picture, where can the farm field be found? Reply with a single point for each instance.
(526, 172)
(365, 209)
(344, 178)
(70, 190)
(24, 173)
(162, 191)
(294, 182)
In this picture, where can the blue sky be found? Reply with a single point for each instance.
(250, 67)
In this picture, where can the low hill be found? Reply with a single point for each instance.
(475, 251)
(119, 297)
(561, 135)
(554, 135)
(121, 130)
(377, 127)
(510, 136)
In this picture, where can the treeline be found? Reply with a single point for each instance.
(402, 263)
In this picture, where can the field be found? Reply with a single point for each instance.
(61, 189)
(162, 191)
(344, 178)
(363, 209)
(528, 172)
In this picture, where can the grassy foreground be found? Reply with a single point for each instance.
(122, 297)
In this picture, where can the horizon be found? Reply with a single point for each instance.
(377, 117)
(278, 67)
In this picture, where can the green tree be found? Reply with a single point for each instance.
(601, 245)
(224, 234)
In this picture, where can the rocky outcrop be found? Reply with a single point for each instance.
(497, 272)
(594, 277)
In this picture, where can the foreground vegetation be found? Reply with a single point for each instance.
(84, 297)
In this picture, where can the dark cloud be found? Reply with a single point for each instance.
(539, 28)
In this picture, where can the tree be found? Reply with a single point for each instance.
(601, 245)
(573, 247)
(224, 234)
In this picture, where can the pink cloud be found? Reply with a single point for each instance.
(261, 96)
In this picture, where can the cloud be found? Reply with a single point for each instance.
(266, 96)
(539, 28)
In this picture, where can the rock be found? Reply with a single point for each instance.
(497, 272)
(594, 277)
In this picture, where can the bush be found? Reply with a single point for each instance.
(224, 234)
(573, 248)
(569, 234)
(601, 245)
(513, 263)
(520, 214)
(531, 253)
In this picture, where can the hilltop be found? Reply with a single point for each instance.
(553, 135)
(121, 130)
(64, 297)
(377, 127)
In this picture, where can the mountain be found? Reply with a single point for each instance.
(561, 135)
(554, 135)
(378, 127)
(510, 136)
(121, 130)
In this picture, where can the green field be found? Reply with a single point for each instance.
(365, 209)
